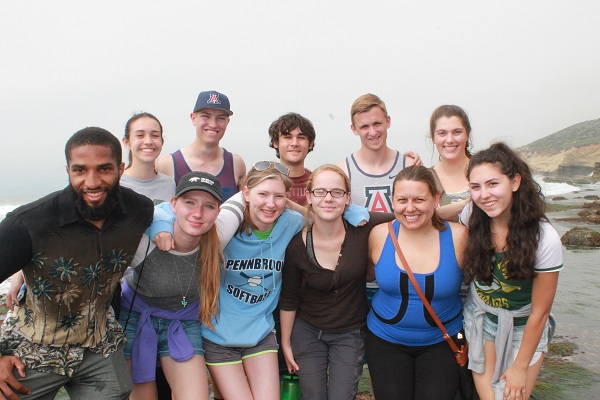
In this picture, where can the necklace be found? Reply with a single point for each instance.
(184, 302)
(310, 249)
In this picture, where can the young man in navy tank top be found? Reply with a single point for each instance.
(210, 118)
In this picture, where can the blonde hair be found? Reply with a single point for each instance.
(308, 213)
(210, 258)
(253, 179)
(364, 103)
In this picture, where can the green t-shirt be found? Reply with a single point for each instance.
(513, 294)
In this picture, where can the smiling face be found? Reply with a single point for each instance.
(492, 191)
(328, 208)
(414, 204)
(94, 176)
(450, 137)
(145, 140)
(293, 147)
(196, 212)
(210, 124)
(371, 127)
(266, 202)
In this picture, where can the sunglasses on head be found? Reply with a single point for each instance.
(264, 165)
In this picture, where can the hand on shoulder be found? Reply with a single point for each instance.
(164, 164)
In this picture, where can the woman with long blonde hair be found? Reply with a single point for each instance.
(168, 292)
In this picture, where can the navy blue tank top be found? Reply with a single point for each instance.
(226, 175)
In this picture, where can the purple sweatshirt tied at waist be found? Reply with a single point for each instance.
(145, 344)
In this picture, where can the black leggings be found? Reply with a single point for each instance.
(411, 372)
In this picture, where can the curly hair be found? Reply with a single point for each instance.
(94, 136)
(287, 123)
(526, 211)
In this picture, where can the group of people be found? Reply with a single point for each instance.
(232, 268)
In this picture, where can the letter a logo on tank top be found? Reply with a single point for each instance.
(378, 199)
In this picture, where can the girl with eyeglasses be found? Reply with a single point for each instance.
(323, 302)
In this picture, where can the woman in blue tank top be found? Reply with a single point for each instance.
(406, 350)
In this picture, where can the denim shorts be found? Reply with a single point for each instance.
(225, 355)
(490, 330)
(192, 329)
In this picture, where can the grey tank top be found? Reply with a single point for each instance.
(373, 191)
(159, 285)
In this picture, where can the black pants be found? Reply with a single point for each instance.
(411, 372)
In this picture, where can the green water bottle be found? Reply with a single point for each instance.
(290, 387)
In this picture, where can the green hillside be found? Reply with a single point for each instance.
(581, 134)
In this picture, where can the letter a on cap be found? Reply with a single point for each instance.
(213, 98)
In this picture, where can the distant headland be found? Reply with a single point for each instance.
(572, 153)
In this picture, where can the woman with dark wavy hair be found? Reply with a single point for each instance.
(512, 259)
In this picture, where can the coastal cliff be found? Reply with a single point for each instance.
(570, 152)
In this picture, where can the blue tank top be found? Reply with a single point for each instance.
(226, 175)
(397, 313)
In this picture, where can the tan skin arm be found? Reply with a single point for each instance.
(451, 211)
(15, 285)
(287, 324)
(376, 240)
(239, 170)
(459, 237)
(164, 164)
(542, 297)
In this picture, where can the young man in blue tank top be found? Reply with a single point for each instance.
(373, 167)
(210, 118)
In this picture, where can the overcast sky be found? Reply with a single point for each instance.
(521, 69)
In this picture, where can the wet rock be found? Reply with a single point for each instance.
(591, 216)
(594, 204)
(591, 197)
(581, 237)
(558, 198)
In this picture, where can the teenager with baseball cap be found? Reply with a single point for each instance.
(210, 117)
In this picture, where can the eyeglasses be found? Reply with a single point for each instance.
(264, 165)
(332, 192)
